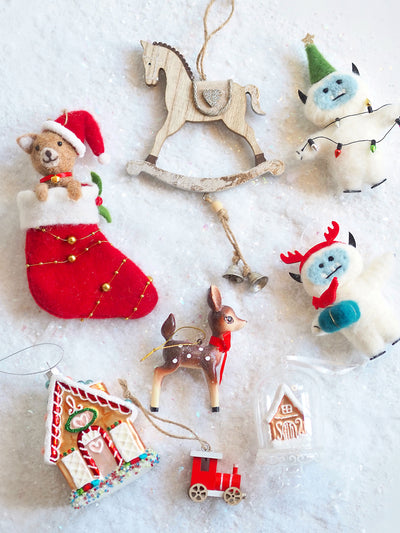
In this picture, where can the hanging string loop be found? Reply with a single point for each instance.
(208, 36)
(29, 350)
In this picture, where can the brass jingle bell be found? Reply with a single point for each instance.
(234, 274)
(257, 281)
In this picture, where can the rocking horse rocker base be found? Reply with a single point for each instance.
(204, 185)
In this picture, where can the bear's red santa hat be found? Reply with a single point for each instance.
(76, 127)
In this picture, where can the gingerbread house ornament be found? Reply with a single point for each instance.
(90, 436)
(289, 414)
(286, 417)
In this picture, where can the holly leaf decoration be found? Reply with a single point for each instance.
(103, 211)
(97, 181)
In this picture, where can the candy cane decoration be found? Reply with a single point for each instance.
(93, 430)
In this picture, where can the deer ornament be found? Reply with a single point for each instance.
(222, 320)
(349, 297)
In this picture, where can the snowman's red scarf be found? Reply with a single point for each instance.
(328, 297)
(223, 345)
(59, 175)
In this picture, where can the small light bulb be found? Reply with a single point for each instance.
(338, 150)
(312, 145)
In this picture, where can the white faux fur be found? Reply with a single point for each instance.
(377, 326)
(58, 208)
(66, 134)
(357, 165)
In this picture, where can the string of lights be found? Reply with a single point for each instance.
(372, 142)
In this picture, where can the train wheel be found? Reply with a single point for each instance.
(233, 496)
(198, 492)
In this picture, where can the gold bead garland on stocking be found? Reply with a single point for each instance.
(106, 286)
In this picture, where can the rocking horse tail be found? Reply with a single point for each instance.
(252, 90)
(168, 328)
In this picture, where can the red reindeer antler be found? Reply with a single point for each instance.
(292, 257)
(332, 232)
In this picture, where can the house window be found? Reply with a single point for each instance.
(287, 408)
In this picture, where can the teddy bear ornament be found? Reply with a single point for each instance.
(73, 270)
(347, 296)
(351, 134)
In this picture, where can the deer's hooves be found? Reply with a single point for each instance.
(153, 409)
(215, 409)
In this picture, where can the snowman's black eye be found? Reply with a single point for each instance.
(339, 81)
(330, 258)
(325, 90)
(321, 265)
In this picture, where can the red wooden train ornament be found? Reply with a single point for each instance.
(206, 481)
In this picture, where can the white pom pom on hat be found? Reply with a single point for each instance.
(103, 158)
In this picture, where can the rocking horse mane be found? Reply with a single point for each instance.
(176, 52)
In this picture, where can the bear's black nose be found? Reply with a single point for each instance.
(48, 153)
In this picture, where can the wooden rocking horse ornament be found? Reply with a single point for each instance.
(222, 320)
(190, 100)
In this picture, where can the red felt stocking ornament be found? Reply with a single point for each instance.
(73, 271)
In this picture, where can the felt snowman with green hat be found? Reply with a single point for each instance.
(352, 132)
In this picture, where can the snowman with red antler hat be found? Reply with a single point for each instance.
(348, 297)
(73, 270)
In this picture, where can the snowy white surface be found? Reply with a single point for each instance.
(86, 55)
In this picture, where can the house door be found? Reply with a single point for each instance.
(289, 430)
(101, 455)
(98, 451)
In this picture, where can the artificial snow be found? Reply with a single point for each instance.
(86, 55)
